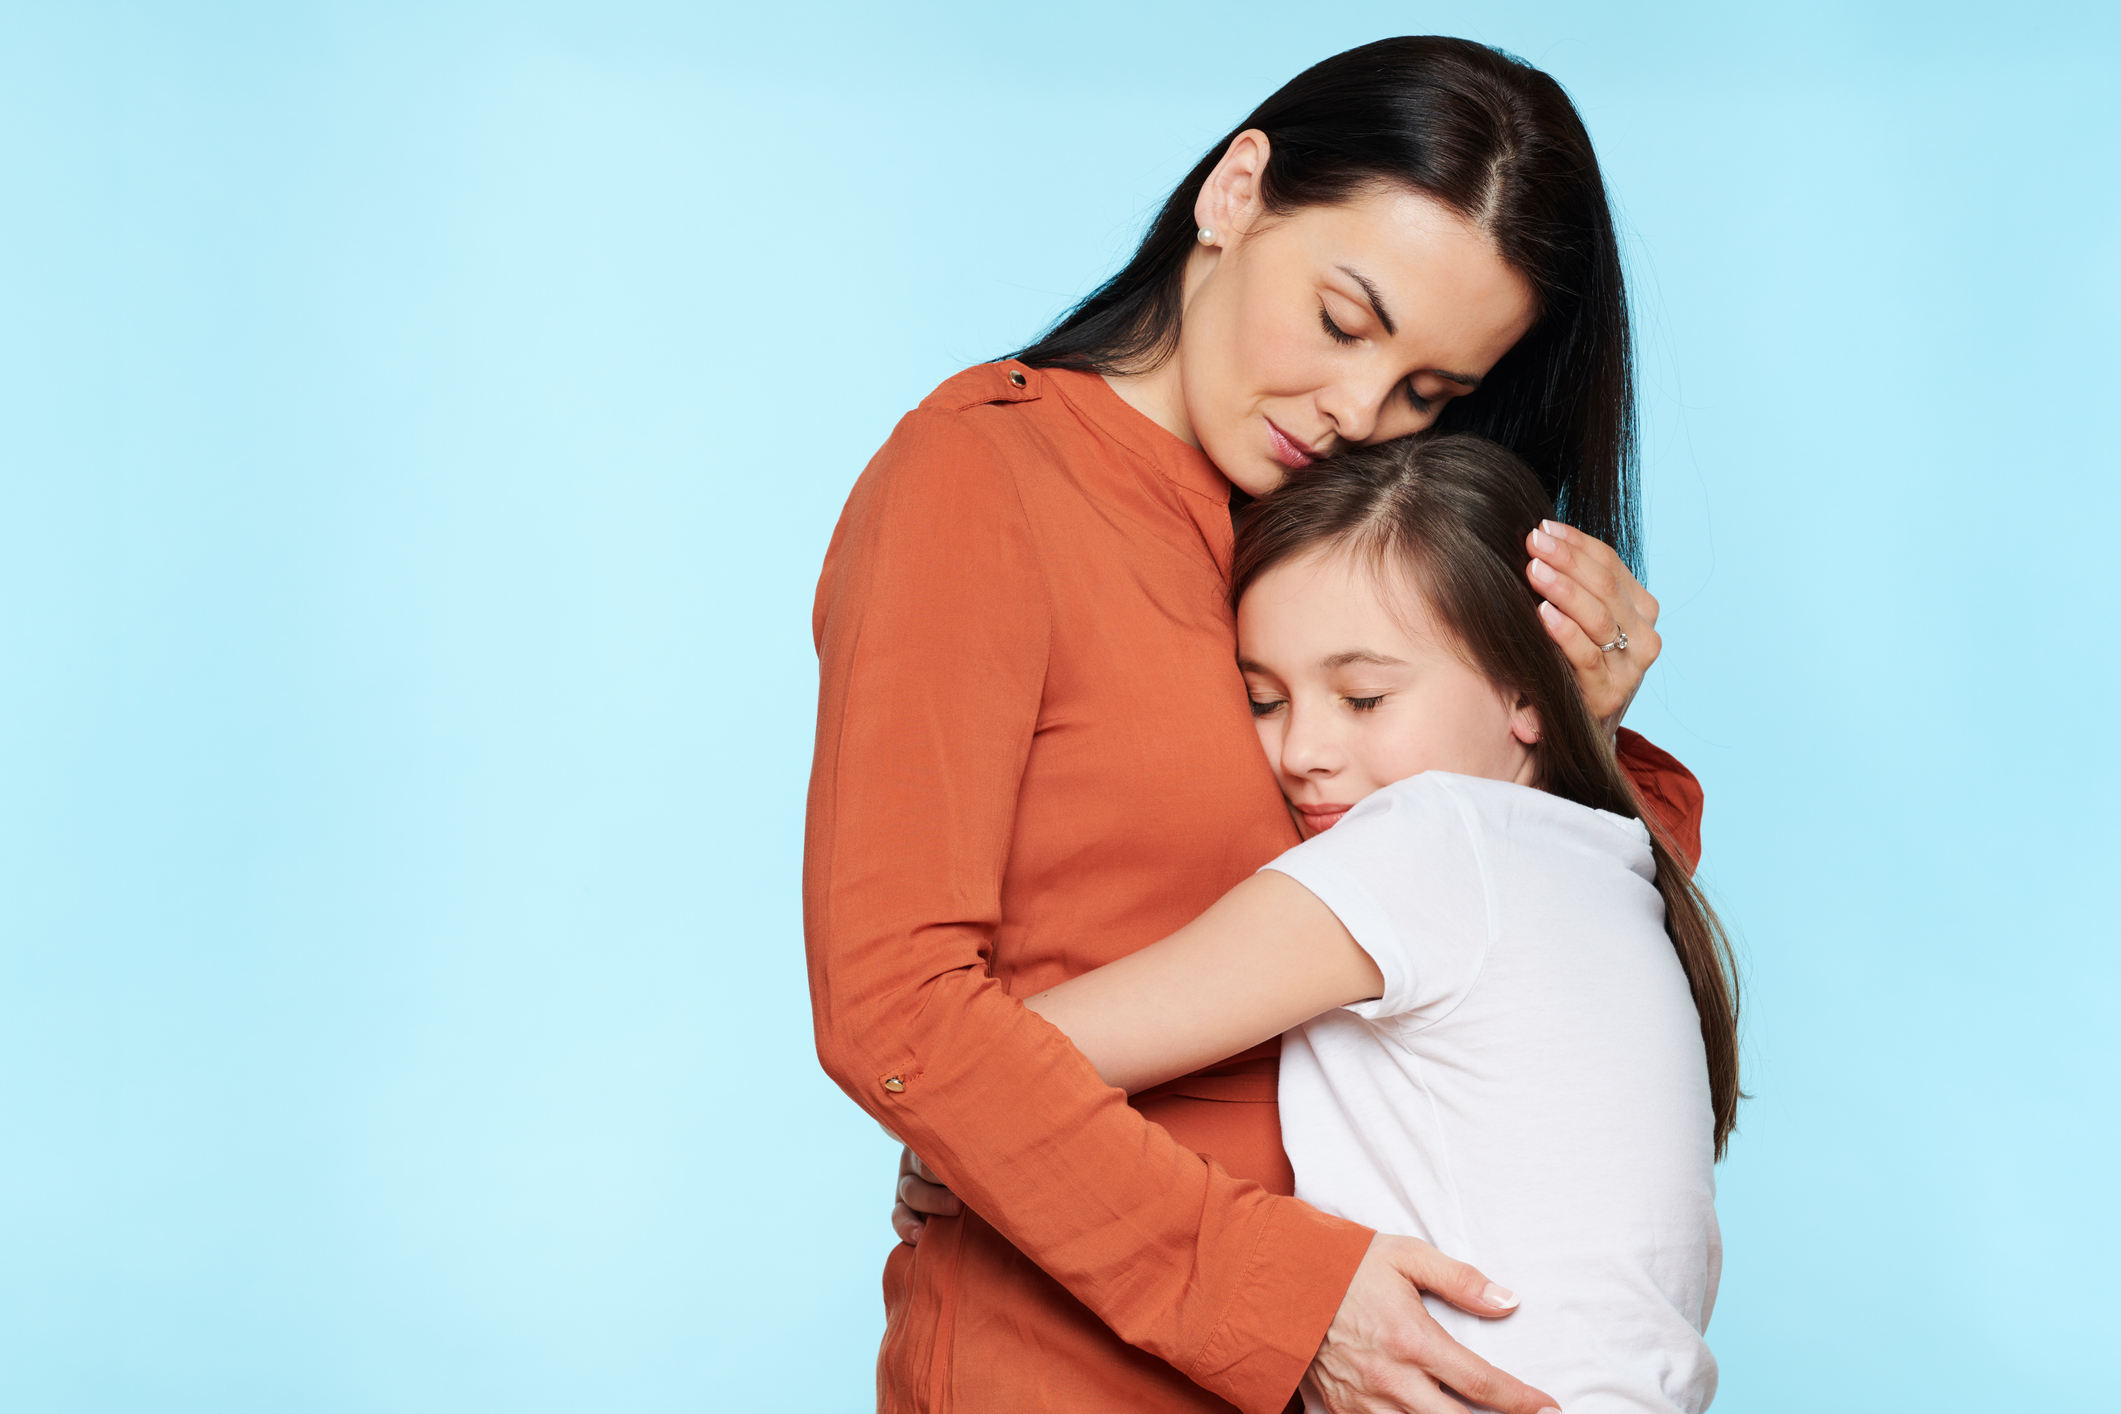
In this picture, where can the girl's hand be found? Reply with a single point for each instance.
(921, 1195)
(1385, 1354)
(1591, 601)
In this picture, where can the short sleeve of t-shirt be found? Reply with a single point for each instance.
(1405, 872)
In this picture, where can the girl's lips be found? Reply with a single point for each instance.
(1322, 817)
(1288, 449)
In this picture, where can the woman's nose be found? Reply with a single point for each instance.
(1354, 408)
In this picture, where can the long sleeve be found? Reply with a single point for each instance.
(934, 629)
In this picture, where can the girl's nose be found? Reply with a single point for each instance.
(1307, 750)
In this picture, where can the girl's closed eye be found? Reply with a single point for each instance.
(1365, 704)
(1268, 707)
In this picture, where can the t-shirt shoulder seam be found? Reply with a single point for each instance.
(1476, 840)
(1354, 893)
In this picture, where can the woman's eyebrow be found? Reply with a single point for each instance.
(1377, 307)
(1377, 303)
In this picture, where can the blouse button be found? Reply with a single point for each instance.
(1016, 377)
(894, 1084)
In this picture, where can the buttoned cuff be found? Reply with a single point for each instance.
(1298, 1273)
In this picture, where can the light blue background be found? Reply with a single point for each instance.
(420, 426)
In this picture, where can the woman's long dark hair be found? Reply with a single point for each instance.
(1498, 142)
(1448, 516)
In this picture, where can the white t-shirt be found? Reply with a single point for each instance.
(1529, 1094)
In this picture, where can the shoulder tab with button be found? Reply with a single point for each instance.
(1004, 382)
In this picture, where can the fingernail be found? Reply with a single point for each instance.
(1499, 1295)
(1549, 1409)
(1542, 571)
(913, 1234)
(1554, 528)
(1543, 541)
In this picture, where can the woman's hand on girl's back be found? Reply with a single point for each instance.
(1593, 602)
(921, 1196)
(1385, 1354)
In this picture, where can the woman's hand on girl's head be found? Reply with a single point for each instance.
(1592, 602)
(921, 1196)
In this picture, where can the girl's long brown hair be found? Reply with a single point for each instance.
(1450, 515)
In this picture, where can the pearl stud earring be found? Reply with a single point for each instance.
(1207, 237)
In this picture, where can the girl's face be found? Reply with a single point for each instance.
(1355, 686)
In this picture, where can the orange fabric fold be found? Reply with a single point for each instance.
(1669, 793)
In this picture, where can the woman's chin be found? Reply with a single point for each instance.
(1256, 477)
(1250, 467)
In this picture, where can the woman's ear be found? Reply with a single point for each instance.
(1524, 721)
(1229, 201)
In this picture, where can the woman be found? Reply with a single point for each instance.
(1034, 756)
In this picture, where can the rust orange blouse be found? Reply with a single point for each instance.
(1033, 757)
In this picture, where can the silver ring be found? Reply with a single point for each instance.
(1620, 641)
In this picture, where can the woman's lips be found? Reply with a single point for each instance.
(1322, 817)
(1292, 452)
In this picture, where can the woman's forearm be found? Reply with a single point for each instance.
(1265, 957)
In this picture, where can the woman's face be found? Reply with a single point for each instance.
(1352, 692)
(1332, 326)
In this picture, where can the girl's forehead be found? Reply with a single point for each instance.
(1343, 571)
(1332, 593)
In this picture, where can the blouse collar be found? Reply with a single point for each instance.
(1185, 467)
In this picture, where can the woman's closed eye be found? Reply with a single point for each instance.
(1365, 704)
(1422, 406)
(1268, 707)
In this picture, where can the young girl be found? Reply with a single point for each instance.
(1516, 1017)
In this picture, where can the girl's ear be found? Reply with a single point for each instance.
(1524, 721)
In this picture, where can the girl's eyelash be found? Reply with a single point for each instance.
(1421, 404)
(1264, 709)
(1364, 704)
